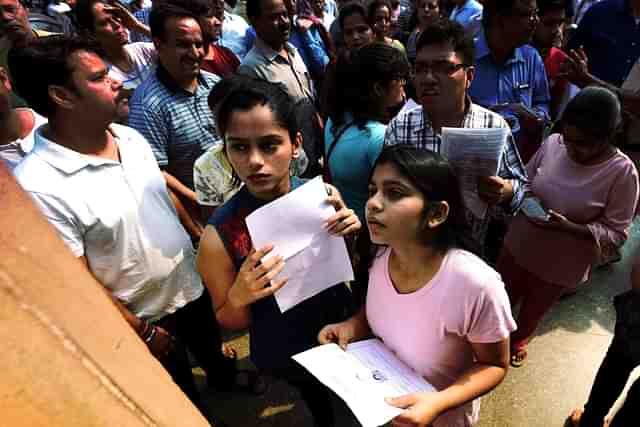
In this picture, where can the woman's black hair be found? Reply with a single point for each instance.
(85, 19)
(374, 6)
(432, 175)
(349, 9)
(355, 77)
(241, 93)
(596, 111)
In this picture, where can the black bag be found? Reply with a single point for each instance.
(326, 172)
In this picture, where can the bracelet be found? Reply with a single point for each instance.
(148, 339)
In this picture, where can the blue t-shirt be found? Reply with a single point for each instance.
(352, 160)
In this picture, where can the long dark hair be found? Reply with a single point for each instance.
(432, 175)
(355, 77)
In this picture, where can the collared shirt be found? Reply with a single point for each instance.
(120, 217)
(469, 15)
(13, 152)
(521, 79)
(291, 73)
(236, 35)
(413, 128)
(311, 48)
(611, 39)
(178, 125)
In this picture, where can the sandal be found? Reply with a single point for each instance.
(246, 381)
(518, 356)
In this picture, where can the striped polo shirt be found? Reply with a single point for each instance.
(178, 124)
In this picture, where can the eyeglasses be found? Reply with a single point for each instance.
(440, 68)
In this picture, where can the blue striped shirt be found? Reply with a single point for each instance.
(179, 125)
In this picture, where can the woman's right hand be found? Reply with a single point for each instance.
(340, 333)
(254, 280)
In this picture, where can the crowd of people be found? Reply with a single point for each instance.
(147, 132)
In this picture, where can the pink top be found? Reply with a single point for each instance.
(602, 196)
(432, 329)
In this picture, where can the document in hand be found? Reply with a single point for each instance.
(293, 224)
(473, 153)
(363, 376)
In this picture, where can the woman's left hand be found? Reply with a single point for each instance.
(421, 409)
(345, 221)
(556, 221)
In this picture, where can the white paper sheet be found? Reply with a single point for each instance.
(363, 376)
(314, 260)
(473, 153)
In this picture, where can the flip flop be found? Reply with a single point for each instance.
(246, 380)
(518, 357)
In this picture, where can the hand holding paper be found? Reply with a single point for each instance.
(255, 278)
(295, 225)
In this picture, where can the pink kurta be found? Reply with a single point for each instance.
(602, 196)
(432, 329)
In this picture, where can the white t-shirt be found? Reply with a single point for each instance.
(13, 152)
(120, 217)
(143, 60)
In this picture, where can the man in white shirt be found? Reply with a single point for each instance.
(99, 185)
(17, 126)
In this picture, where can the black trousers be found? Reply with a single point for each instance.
(608, 384)
(195, 328)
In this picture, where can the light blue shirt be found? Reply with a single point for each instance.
(236, 35)
(469, 15)
(352, 160)
(311, 48)
(521, 79)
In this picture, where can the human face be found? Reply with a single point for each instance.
(260, 151)
(441, 79)
(182, 51)
(213, 23)
(14, 21)
(382, 21)
(550, 29)
(395, 208)
(520, 25)
(108, 30)
(428, 11)
(318, 7)
(273, 25)
(583, 148)
(356, 32)
(91, 91)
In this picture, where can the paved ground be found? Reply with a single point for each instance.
(563, 359)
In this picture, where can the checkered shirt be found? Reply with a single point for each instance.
(414, 128)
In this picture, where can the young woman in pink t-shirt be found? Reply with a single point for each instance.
(441, 309)
(588, 191)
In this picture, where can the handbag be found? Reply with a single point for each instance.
(326, 172)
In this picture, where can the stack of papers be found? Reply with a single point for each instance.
(473, 153)
(363, 376)
(293, 223)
